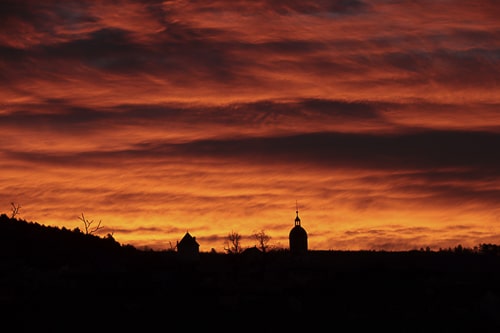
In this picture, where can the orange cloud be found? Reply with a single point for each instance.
(160, 117)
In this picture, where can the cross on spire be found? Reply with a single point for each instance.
(297, 219)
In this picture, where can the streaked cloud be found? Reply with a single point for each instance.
(380, 117)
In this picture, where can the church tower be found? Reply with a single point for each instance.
(298, 237)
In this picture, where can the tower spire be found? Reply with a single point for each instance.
(297, 219)
(298, 235)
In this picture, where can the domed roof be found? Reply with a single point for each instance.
(298, 237)
(298, 231)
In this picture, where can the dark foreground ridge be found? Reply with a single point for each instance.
(60, 280)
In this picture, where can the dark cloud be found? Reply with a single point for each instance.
(34, 12)
(468, 68)
(284, 7)
(63, 113)
(190, 55)
(426, 149)
(476, 37)
(117, 51)
(450, 68)
(21, 19)
(11, 58)
(360, 110)
(179, 50)
(291, 47)
(111, 49)
(339, 7)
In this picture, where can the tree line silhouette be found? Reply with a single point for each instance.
(16, 233)
(55, 277)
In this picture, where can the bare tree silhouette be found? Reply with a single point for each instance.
(233, 243)
(87, 224)
(262, 240)
(15, 209)
(172, 247)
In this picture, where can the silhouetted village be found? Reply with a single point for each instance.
(56, 279)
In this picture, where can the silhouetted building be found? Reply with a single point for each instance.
(298, 237)
(188, 248)
(252, 252)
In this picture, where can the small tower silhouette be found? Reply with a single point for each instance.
(298, 237)
(188, 248)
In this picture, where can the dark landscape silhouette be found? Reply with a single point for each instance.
(55, 279)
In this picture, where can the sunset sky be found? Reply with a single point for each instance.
(381, 119)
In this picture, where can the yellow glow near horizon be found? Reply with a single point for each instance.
(380, 118)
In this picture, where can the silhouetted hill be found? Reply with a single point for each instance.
(33, 244)
(60, 280)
